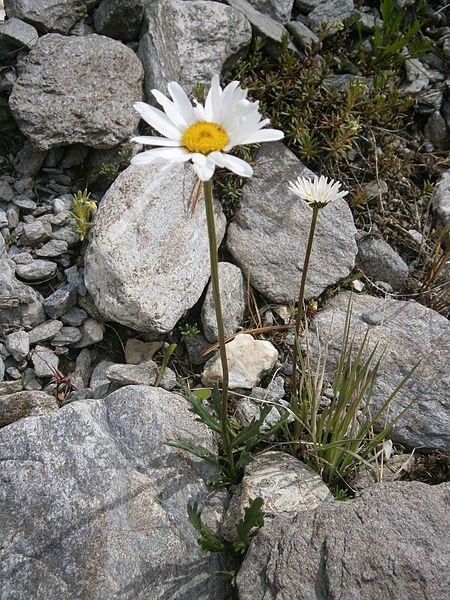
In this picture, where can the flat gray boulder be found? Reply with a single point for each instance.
(391, 542)
(93, 503)
(269, 232)
(407, 332)
(190, 41)
(77, 90)
(147, 261)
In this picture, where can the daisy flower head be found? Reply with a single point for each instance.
(204, 134)
(318, 191)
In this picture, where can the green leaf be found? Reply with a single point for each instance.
(167, 354)
(248, 526)
(207, 541)
(199, 451)
(202, 393)
(252, 431)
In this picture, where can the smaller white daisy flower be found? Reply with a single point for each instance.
(318, 191)
(203, 134)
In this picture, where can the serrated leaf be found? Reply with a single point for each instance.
(253, 519)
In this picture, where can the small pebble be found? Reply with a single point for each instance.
(25, 203)
(52, 249)
(43, 332)
(37, 270)
(74, 317)
(44, 361)
(60, 301)
(67, 336)
(18, 344)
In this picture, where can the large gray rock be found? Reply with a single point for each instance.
(280, 10)
(74, 90)
(441, 206)
(389, 543)
(330, 11)
(49, 15)
(93, 503)
(147, 261)
(263, 25)
(119, 20)
(268, 235)
(380, 262)
(406, 333)
(232, 299)
(190, 41)
(284, 483)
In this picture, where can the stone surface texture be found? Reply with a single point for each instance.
(329, 11)
(389, 543)
(119, 20)
(263, 25)
(25, 404)
(49, 15)
(248, 359)
(189, 41)
(280, 10)
(284, 483)
(232, 298)
(268, 235)
(77, 90)
(147, 261)
(380, 262)
(407, 332)
(441, 206)
(16, 35)
(93, 502)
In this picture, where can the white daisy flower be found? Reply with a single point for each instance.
(203, 134)
(318, 191)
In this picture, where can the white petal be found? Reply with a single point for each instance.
(213, 104)
(170, 110)
(263, 135)
(153, 140)
(160, 155)
(158, 120)
(203, 167)
(233, 163)
(182, 102)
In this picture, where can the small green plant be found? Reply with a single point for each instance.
(83, 209)
(235, 551)
(188, 331)
(337, 438)
(111, 170)
(395, 39)
(242, 440)
(167, 354)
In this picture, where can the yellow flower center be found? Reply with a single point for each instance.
(205, 137)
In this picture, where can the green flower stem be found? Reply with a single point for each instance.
(301, 300)
(214, 260)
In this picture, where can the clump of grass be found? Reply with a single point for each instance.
(395, 38)
(111, 170)
(336, 439)
(83, 209)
